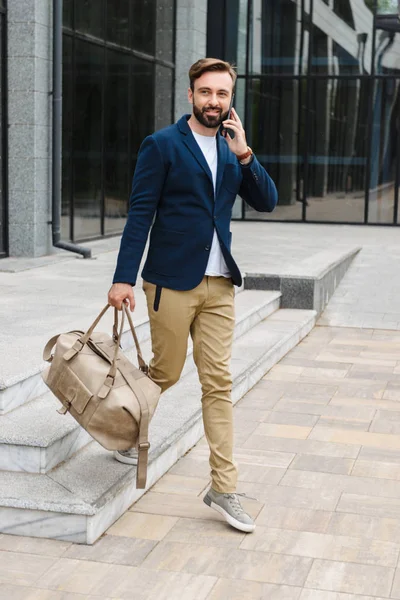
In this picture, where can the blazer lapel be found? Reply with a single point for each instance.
(194, 148)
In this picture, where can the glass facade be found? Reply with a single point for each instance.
(3, 133)
(118, 83)
(318, 90)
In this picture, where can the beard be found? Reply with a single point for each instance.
(210, 121)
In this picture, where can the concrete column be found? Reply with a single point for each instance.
(191, 43)
(29, 85)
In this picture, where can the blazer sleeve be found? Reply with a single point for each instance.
(257, 188)
(147, 185)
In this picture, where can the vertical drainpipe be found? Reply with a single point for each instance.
(57, 137)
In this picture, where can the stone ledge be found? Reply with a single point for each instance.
(308, 285)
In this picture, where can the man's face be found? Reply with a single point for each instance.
(211, 98)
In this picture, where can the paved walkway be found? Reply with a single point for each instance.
(317, 445)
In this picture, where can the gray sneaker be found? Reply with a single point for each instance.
(129, 457)
(230, 508)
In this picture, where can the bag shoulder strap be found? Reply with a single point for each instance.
(143, 442)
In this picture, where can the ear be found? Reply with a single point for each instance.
(190, 95)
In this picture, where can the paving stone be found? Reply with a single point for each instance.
(325, 464)
(363, 525)
(23, 568)
(350, 578)
(208, 533)
(297, 519)
(342, 436)
(324, 595)
(369, 505)
(321, 545)
(262, 442)
(13, 592)
(283, 431)
(287, 418)
(140, 525)
(113, 549)
(83, 576)
(251, 590)
(44, 547)
(173, 483)
(377, 469)
(229, 563)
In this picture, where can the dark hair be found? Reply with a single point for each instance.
(210, 64)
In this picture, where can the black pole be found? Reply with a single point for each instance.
(57, 137)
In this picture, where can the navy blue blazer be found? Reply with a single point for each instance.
(173, 185)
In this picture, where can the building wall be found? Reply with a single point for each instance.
(191, 41)
(29, 116)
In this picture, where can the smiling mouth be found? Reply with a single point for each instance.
(213, 112)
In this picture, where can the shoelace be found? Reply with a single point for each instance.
(235, 503)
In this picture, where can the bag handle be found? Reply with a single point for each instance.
(81, 341)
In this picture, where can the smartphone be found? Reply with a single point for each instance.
(223, 129)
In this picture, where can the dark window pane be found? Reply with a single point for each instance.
(384, 151)
(68, 13)
(163, 97)
(142, 103)
(118, 22)
(165, 19)
(273, 118)
(276, 43)
(87, 139)
(335, 55)
(116, 133)
(337, 137)
(67, 116)
(343, 9)
(143, 30)
(89, 17)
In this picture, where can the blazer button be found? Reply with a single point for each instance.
(207, 248)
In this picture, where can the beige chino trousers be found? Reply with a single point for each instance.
(207, 314)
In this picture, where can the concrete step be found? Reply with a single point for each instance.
(20, 380)
(81, 498)
(34, 438)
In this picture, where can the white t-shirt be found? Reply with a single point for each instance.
(216, 265)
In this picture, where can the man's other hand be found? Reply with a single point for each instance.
(119, 293)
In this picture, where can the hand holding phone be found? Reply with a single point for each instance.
(226, 131)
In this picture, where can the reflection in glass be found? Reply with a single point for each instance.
(142, 103)
(143, 19)
(89, 17)
(273, 120)
(384, 151)
(118, 22)
(337, 143)
(278, 44)
(68, 8)
(388, 7)
(111, 101)
(116, 142)
(87, 139)
(67, 112)
(242, 37)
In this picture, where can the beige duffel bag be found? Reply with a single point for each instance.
(104, 392)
